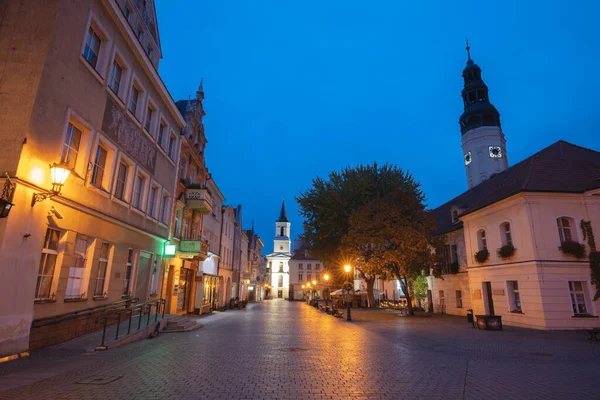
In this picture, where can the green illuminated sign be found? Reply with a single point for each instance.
(170, 249)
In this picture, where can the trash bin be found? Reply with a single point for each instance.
(470, 316)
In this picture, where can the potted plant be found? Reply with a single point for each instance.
(482, 256)
(572, 248)
(506, 251)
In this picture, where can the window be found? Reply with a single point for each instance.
(280, 281)
(102, 268)
(578, 297)
(148, 123)
(99, 165)
(514, 296)
(133, 101)
(442, 300)
(280, 267)
(317, 266)
(459, 299)
(183, 170)
(152, 201)
(128, 273)
(77, 271)
(565, 229)
(176, 224)
(71, 146)
(121, 181)
(308, 266)
(300, 266)
(115, 77)
(163, 209)
(126, 12)
(92, 47)
(161, 133)
(299, 277)
(454, 216)
(138, 189)
(172, 147)
(505, 233)
(47, 264)
(282, 231)
(481, 240)
(308, 277)
(453, 253)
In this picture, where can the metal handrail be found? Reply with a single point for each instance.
(158, 304)
(55, 319)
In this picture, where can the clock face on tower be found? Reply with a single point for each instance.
(280, 247)
(495, 151)
(468, 158)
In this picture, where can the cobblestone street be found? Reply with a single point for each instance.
(283, 350)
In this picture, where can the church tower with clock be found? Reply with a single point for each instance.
(278, 262)
(483, 142)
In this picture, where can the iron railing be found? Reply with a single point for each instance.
(122, 315)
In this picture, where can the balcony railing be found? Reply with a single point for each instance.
(194, 248)
(199, 199)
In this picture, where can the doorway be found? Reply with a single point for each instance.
(143, 276)
(280, 294)
(487, 298)
(185, 286)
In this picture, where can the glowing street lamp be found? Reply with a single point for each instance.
(326, 277)
(314, 282)
(348, 268)
(59, 173)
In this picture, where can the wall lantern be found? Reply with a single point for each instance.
(7, 194)
(5, 207)
(59, 172)
(170, 249)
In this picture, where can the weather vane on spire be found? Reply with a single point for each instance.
(468, 48)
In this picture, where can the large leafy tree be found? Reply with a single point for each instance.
(327, 208)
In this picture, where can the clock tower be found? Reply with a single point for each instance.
(282, 232)
(483, 143)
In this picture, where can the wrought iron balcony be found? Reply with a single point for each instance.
(194, 248)
(198, 198)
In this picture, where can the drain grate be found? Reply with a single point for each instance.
(99, 380)
(538, 354)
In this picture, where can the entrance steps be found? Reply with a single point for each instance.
(181, 324)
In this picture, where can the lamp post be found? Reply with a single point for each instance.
(326, 277)
(59, 172)
(348, 268)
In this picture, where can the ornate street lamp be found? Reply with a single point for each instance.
(6, 197)
(348, 268)
(59, 172)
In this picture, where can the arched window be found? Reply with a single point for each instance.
(280, 267)
(454, 216)
(282, 230)
(566, 229)
(505, 233)
(481, 240)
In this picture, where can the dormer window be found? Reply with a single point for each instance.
(454, 216)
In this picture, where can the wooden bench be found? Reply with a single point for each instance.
(594, 334)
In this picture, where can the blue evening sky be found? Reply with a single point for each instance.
(297, 89)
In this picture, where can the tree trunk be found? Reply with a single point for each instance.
(370, 295)
(404, 286)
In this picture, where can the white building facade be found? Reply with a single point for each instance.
(279, 261)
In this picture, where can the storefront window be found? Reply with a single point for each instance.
(211, 290)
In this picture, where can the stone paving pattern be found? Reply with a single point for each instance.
(283, 350)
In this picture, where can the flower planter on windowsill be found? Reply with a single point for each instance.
(489, 322)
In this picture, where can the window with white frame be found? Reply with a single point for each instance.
(99, 166)
(171, 148)
(138, 191)
(459, 302)
(481, 240)
(300, 266)
(133, 100)
(152, 201)
(280, 267)
(148, 123)
(71, 146)
(317, 266)
(442, 299)
(91, 49)
(308, 277)
(116, 75)
(505, 233)
(164, 209)
(128, 274)
(299, 277)
(77, 271)
(121, 180)
(47, 264)
(308, 266)
(514, 296)
(161, 134)
(102, 269)
(579, 297)
(565, 229)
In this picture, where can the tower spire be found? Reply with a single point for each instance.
(283, 213)
(468, 50)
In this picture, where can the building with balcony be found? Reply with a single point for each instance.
(193, 201)
(81, 90)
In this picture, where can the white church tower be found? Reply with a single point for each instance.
(279, 260)
(483, 143)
